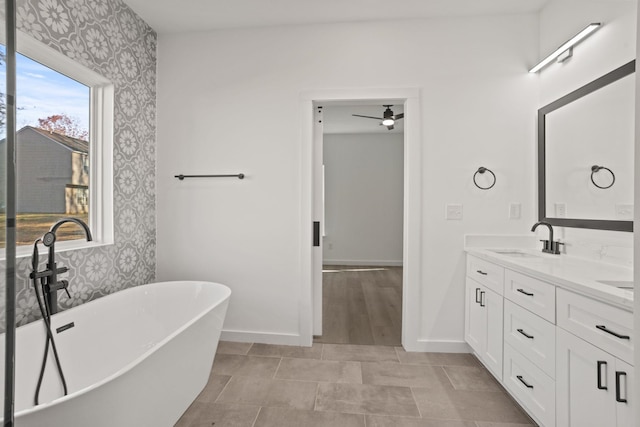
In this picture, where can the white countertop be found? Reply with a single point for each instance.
(576, 274)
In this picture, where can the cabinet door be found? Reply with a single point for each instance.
(585, 383)
(492, 304)
(624, 394)
(475, 317)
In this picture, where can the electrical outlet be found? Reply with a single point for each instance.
(454, 212)
(561, 210)
(515, 210)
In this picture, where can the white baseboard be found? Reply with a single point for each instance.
(262, 337)
(429, 346)
(424, 346)
(348, 262)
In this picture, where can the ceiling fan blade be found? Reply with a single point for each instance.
(398, 116)
(390, 127)
(367, 117)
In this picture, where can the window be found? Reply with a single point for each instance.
(64, 138)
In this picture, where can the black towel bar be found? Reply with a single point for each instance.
(237, 175)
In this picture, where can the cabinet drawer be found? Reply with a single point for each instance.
(535, 295)
(530, 386)
(486, 273)
(607, 327)
(532, 336)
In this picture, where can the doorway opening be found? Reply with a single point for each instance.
(362, 232)
(312, 212)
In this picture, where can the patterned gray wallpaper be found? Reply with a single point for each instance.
(109, 38)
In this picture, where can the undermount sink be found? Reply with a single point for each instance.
(515, 253)
(620, 284)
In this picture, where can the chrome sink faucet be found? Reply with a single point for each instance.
(549, 246)
(49, 276)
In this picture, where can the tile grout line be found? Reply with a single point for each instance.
(415, 401)
(255, 420)
(277, 369)
(395, 348)
(223, 389)
(448, 378)
(249, 349)
(315, 400)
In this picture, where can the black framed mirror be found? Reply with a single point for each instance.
(585, 154)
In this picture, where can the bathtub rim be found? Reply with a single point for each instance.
(129, 366)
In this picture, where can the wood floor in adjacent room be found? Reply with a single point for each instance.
(361, 305)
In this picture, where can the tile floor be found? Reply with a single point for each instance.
(340, 385)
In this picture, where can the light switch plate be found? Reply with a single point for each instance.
(561, 210)
(454, 212)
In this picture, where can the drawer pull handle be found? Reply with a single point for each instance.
(481, 272)
(522, 291)
(477, 295)
(618, 394)
(615, 334)
(523, 381)
(525, 334)
(600, 386)
(482, 304)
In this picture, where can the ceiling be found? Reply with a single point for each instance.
(170, 16)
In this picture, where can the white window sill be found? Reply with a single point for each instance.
(64, 246)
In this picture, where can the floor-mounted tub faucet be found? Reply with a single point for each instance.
(50, 275)
(549, 246)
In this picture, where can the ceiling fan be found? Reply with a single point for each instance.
(388, 119)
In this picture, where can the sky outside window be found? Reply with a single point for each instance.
(42, 92)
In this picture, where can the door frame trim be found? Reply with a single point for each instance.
(412, 215)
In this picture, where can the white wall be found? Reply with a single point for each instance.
(364, 178)
(608, 48)
(228, 102)
(636, 226)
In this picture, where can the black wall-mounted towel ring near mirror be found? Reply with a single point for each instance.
(596, 169)
(481, 170)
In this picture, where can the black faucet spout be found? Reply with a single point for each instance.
(545, 224)
(52, 285)
(550, 246)
(80, 222)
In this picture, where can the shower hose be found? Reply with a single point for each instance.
(46, 317)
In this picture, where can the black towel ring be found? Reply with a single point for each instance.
(482, 170)
(596, 168)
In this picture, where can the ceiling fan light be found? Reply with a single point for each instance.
(388, 122)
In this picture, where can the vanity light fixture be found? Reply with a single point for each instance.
(566, 47)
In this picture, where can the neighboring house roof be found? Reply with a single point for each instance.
(73, 144)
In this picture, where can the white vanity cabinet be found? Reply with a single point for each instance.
(564, 356)
(483, 325)
(529, 349)
(484, 309)
(594, 383)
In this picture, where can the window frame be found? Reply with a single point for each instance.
(101, 127)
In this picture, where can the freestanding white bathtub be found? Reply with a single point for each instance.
(138, 357)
